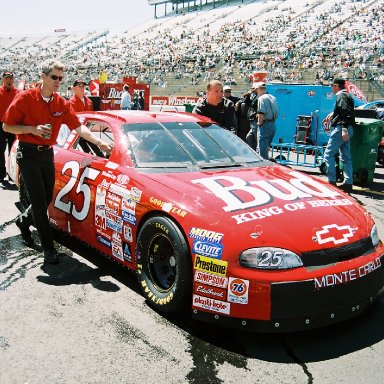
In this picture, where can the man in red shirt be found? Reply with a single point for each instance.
(7, 94)
(79, 101)
(36, 116)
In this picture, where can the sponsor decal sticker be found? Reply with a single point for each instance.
(238, 290)
(206, 264)
(128, 217)
(122, 179)
(205, 235)
(167, 207)
(127, 231)
(118, 190)
(127, 253)
(100, 219)
(210, 279)
(210, 291)
(347, 276)
(208, 249)
(104, 241)
(136, 194)
(211, 304)
(114, 222)
(129, 205)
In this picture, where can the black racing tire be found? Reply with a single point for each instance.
(23, 196)
(164, 265)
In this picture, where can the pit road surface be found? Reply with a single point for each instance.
(84, 321)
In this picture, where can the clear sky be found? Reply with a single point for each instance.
(19, 17)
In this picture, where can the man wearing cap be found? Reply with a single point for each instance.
(217, 107)
(79, 101)
(29, 116)
(343, 119)
(267, 113)
(7, 94)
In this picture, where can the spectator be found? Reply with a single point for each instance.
(28, 116)
(343, 119)
(125, 102)
(250, 102)
(216, 107)
(7, 94)
(79, 101)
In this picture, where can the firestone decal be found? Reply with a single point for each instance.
(334, 233)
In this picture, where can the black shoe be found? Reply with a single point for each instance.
(25, 234)
(332, 183)
(50, 256)
(348, 188)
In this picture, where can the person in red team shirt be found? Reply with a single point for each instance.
(79, 101)
(27, 117)
(7, 94)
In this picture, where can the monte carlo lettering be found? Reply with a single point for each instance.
(239, 194)
(347, 276)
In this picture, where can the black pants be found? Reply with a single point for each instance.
(6, 139)
(38, 174)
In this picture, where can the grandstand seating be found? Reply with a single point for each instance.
(293, 40)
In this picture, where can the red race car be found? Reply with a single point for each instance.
(210, 226)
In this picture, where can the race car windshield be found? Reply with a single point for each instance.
(187, 145)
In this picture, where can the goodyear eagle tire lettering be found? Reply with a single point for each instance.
(164, 266)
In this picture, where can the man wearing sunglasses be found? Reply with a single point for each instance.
(36, 116)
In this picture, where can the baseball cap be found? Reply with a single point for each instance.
(340, 82)
(227, 88)
(8, 74)
(259, 84)
(78, 81)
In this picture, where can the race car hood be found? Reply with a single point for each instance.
(275, 204)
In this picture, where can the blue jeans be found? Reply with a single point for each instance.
(337, 144)
(265, 134)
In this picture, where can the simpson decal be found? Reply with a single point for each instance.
(206, 264)
(238, 290)
(210, 279)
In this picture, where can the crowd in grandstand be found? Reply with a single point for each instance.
(345, 36)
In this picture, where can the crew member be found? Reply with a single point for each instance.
(79, 101)
(7, 94)
(267, 113)
(343, 119)
(125, 102)
(27, 117)
(216, 107)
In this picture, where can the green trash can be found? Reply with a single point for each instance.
(188, 107)
(364, 146)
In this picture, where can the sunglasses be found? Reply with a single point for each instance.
(54, 77)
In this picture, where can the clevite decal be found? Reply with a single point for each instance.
(208, 249)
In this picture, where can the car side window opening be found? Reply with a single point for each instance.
(102, 131)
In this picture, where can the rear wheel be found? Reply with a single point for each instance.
(163, 265)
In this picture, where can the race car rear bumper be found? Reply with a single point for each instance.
(297, 306)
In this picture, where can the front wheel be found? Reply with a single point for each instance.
(163, 265)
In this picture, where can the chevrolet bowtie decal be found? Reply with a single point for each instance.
(334, 233)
